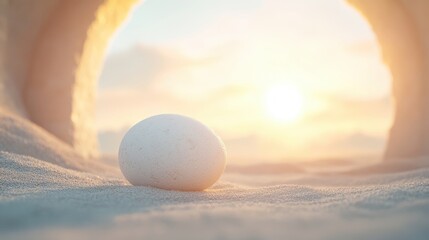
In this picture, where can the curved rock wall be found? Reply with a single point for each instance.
(54, 50)
(402, 30)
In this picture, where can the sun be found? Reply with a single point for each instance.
(284, 103)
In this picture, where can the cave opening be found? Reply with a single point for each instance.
(278, 80)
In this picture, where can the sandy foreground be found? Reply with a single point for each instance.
(41, 200)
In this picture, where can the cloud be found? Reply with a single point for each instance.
(346, 126)
(137, 66)
(141, 65)
(340, 107)
(357, 142)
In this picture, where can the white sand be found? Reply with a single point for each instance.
(40, 200)
(42, 197)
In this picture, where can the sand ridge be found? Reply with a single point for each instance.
(41, 200)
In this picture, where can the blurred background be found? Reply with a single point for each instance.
(279, 81)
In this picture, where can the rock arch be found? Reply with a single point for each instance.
(51, 52)
(402, 30)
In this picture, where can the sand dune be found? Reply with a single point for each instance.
(41, 200)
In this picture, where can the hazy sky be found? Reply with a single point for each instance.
(278, 80)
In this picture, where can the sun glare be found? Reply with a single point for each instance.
(284, 103)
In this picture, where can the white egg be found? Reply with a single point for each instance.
(172, 152)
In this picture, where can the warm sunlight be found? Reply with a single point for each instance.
(209, 119)
(269, 81)
(284, 103)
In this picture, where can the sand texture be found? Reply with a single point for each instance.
(41, 200)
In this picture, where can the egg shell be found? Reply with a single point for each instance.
(172, 152)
